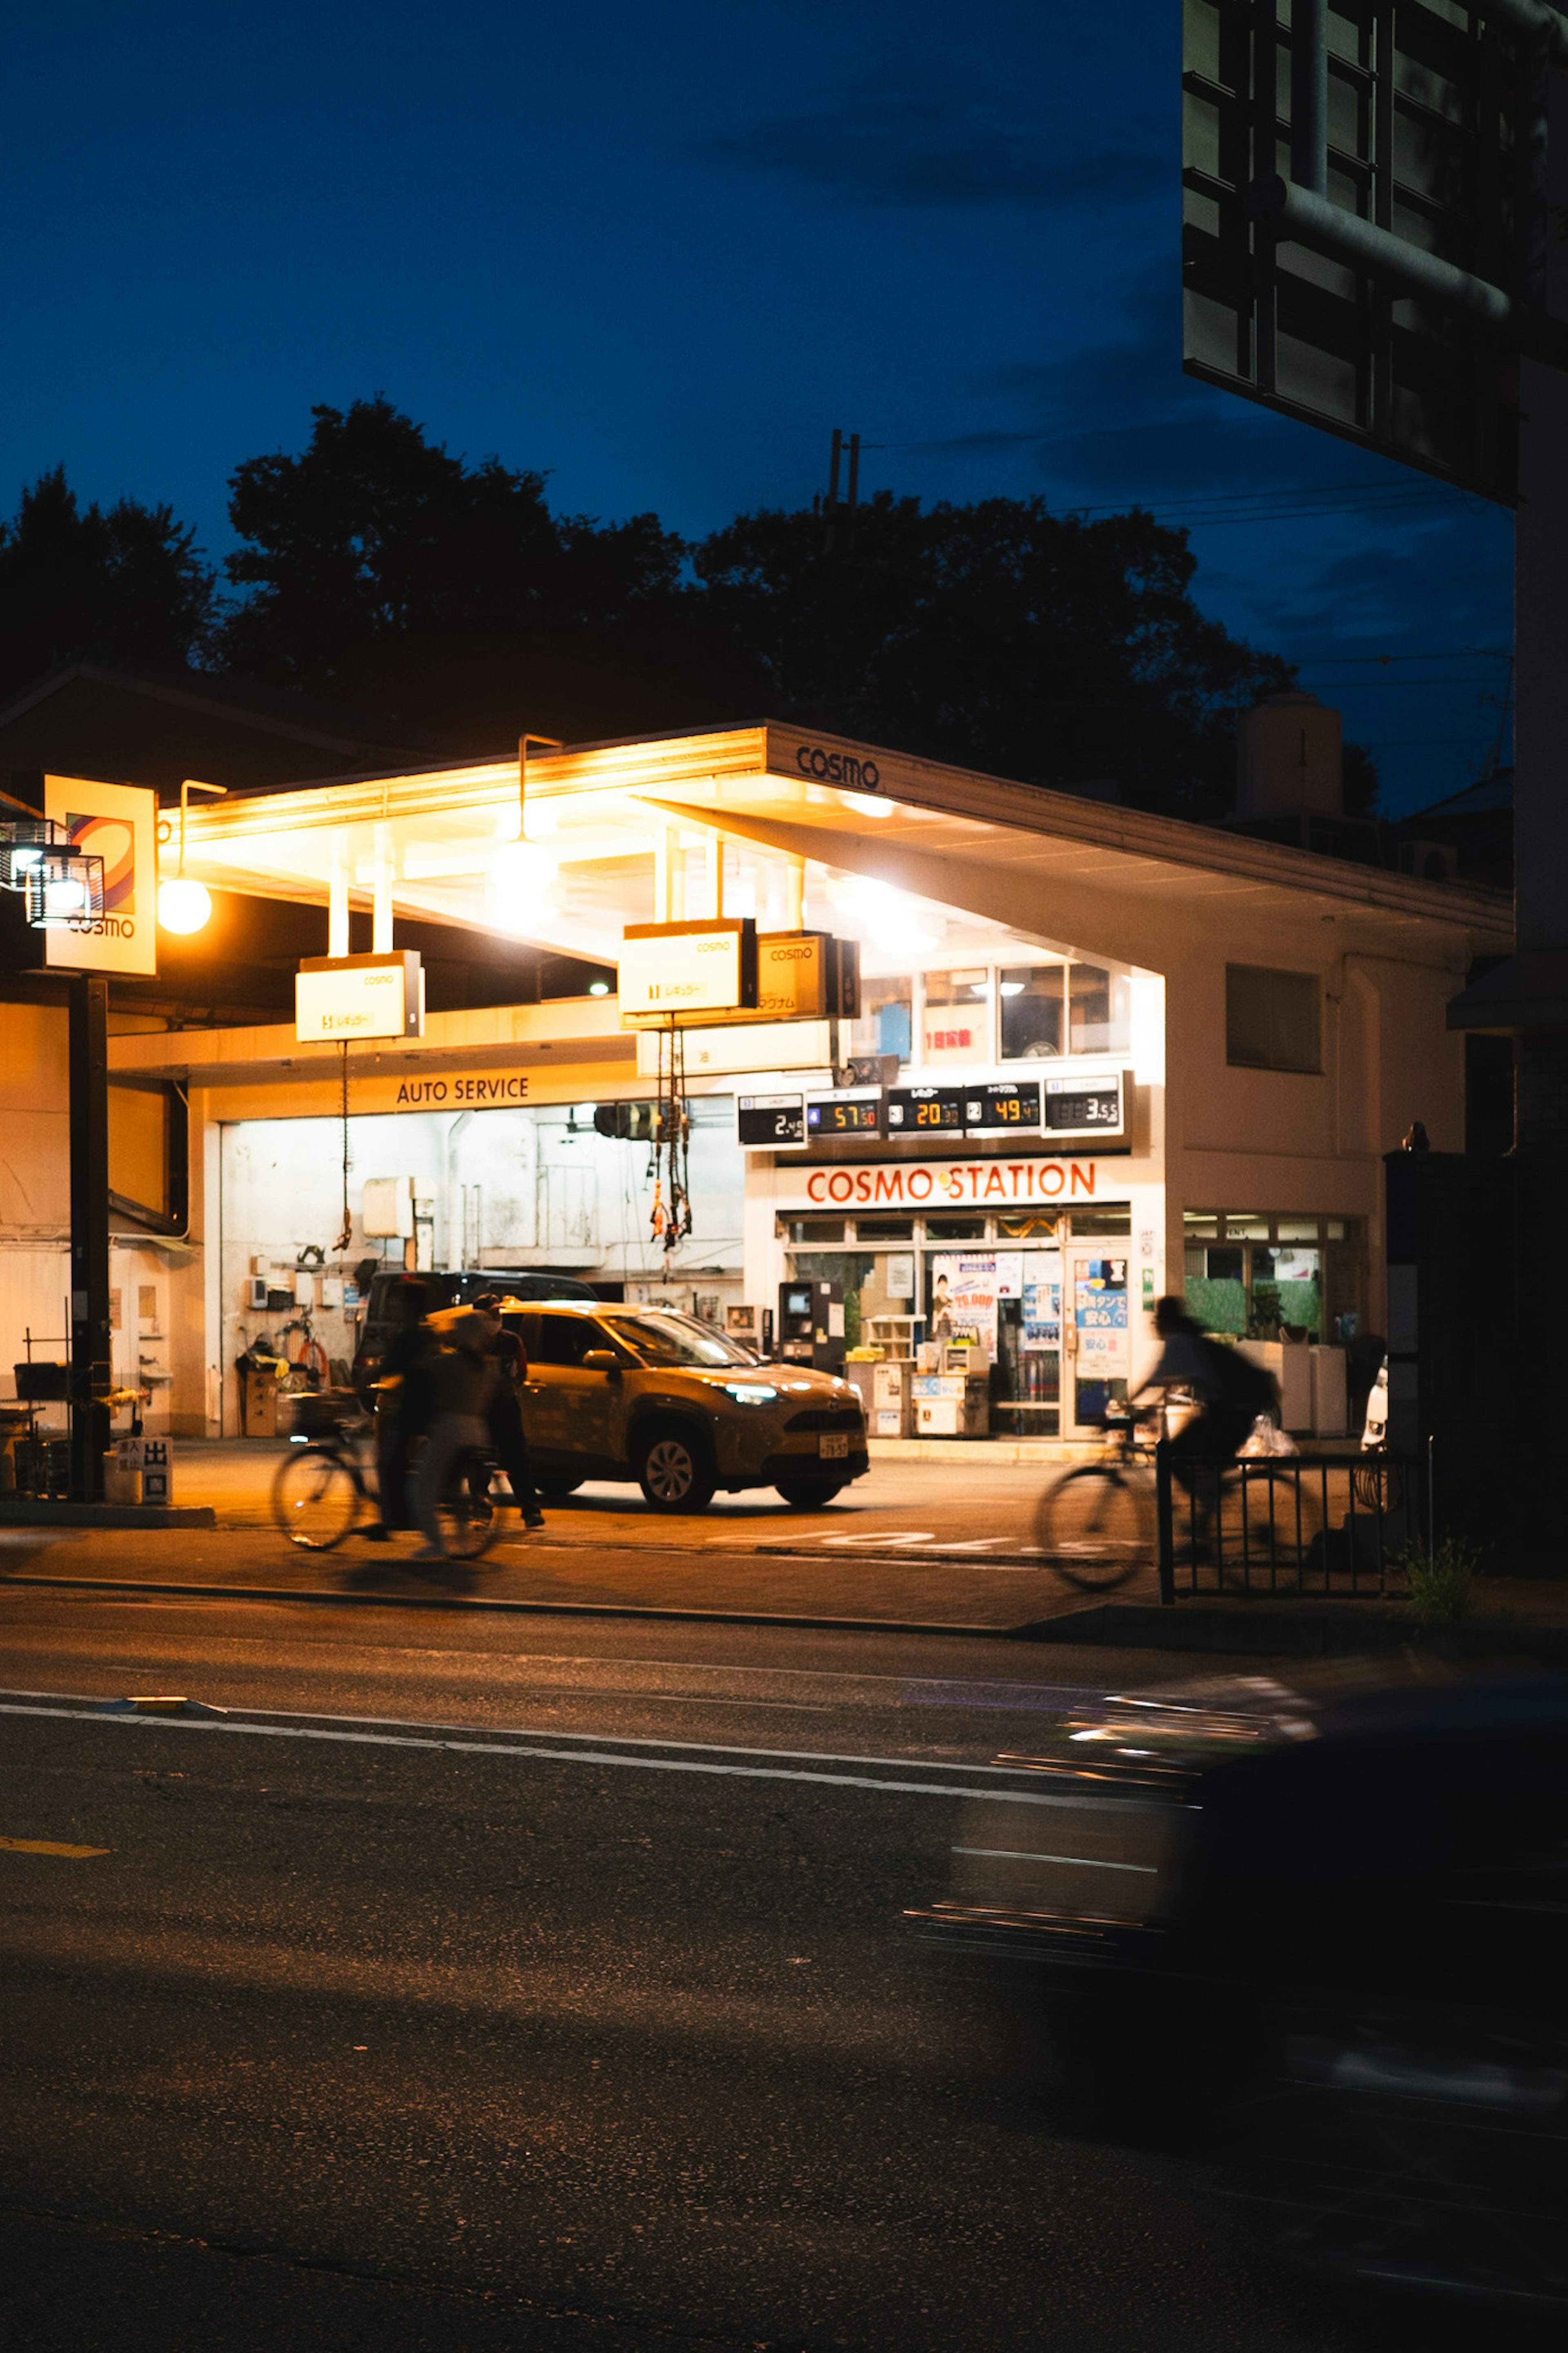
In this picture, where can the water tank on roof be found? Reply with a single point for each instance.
(1289, 757)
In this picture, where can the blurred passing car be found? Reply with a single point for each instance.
(1329, 1933)
(652, 1395)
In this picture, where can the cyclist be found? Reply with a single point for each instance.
(467, 1376)
(1231, 1392)
(508, 1441)
(406, 1406)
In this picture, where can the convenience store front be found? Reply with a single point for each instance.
(1046, 1268)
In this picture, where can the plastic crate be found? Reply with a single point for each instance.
(318, 1413)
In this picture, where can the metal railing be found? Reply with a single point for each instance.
(1331, 1525)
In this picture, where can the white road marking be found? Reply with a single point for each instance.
(1084, 1861)
(296, 1731)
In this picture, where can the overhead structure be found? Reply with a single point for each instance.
(1364, 219)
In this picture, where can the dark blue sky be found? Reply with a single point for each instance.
(660, 252)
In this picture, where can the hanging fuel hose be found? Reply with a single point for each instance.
(346, 1232)
(670, 1215)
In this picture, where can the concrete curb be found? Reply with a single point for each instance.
(39, 1512)
(1252, 1630)
(354, 1600)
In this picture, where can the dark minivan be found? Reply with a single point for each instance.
(450, 1291)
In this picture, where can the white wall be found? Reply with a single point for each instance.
(539, 1186)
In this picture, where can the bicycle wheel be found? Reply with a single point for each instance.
(315, 1499)
(1276, 1530)
(469, 1520)
(1379, 1485)
(1096, 1527)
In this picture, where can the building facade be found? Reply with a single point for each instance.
(1097, 1056)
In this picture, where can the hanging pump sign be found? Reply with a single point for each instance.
(685, 970)
(360, 997)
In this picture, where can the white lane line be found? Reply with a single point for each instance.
(561, 1756)
(528, 1732)
(1083, 1862)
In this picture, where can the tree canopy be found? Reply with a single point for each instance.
(999, 637)
(125, 586)
(379, 575)
(448, 598)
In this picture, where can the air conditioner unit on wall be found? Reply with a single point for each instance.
(387, 1212)
(1430, 862)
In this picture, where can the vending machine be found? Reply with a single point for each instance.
(811, 1324)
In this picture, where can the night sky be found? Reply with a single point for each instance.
(660, 252)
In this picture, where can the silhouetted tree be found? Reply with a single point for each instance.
(125, 586)
(401, 580)
(997, 636)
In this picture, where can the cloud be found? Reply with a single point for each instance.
(919, 141)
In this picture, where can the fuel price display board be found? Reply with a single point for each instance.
(769, 1123)
(925, 1111)
(1084, 1106)
(847, 1110)
(998, 1107)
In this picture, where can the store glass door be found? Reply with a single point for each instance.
(1026, 1391)
(1098, 1337)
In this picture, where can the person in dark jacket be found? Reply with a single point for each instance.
(405, 1405)
(508, 1440)
(1230, 1391)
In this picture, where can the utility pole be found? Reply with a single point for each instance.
(90, 1377)
(838, 541)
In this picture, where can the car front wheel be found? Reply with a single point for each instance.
(809, 1494)
(673, 1474)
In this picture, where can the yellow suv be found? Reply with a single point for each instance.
(648, 1394)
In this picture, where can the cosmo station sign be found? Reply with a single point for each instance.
(946, 1184)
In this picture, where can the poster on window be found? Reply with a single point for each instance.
(963, 1299)
(1041, 1333)
(1099, 1314)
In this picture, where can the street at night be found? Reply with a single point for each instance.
(474, 1983)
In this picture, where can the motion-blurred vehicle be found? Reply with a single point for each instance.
(1327, 1934)
(452, 1290)
(652, 1395)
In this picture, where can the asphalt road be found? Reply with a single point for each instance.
(493, 1982)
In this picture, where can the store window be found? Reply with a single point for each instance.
(1033, 1002)
(1028, 1226)
(886, 1017)
(1098, 1010)
(884, 1230)
(1272, 1278)
(812, 1230)
(1270, 1018)
(954, 1229)
(956, 1026)
(1100, 1221)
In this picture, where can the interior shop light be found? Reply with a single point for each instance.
(185, 905)
(598, 988)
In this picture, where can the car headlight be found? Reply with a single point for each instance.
(749, 1392)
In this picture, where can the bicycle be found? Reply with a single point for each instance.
(323, 1482)
(1098, 1524)
(319, 1492)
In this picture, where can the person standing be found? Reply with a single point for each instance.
(466, 1374)
(405, 1403)
(508, 1440)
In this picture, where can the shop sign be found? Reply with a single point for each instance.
(485, 1091)
(917, 1184)
(360, 997)
(118, 823)
(684, 970)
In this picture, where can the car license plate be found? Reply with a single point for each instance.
(835, 1449)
